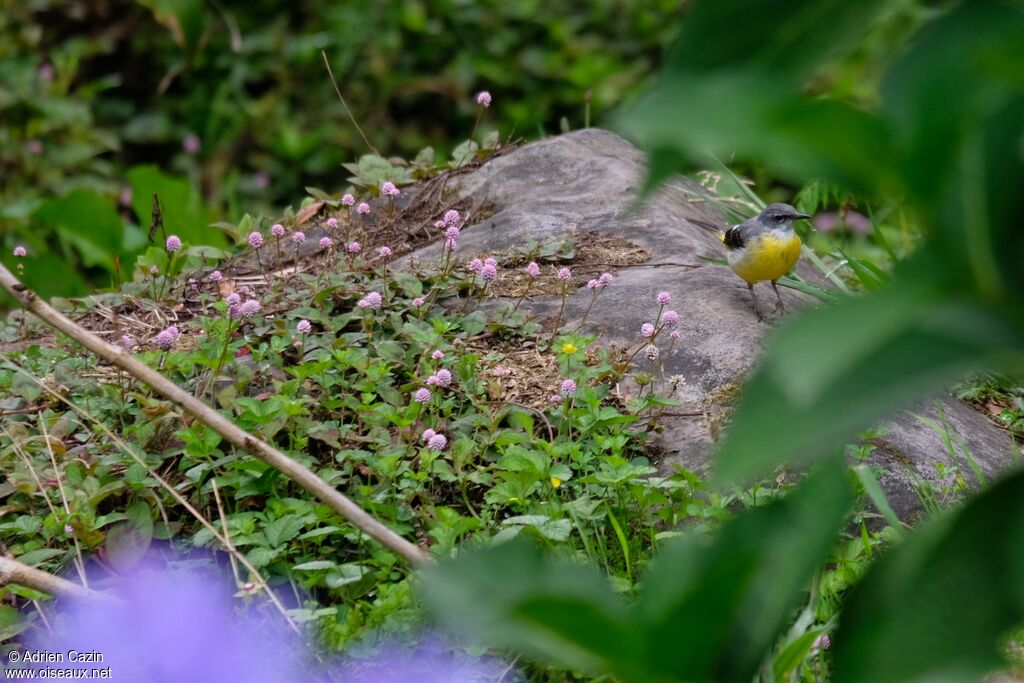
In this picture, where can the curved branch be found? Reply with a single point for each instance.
(12, 571)
(231, 432)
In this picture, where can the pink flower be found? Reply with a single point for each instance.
(483, 98)
(647, 330)
(363, 208)
(298, 237)
(173, 244)
(355, 248)
(421, 395)
(532, 269)
(670, 318)
(444, 377)
(652, 352)
(822, 642)
(384, 252)
(326, 243)
(437, 354)
(437, 442)
(439, 224)
(347, 199)
(372, 300)
(605, 279)
(674, 334)
(125, 198)
(501, 371)
(166, 338)
(664, 298)
(255, 240)
(332, 223)
(388, 189)
(216, 276)
(127, 342)
(418, 301)
(555, 398)
(191, 143)
(276, 229)
(46, 72)
(303, 327)
(452, 218)
(489, 272)
(475, 266)
(233, 299)
(428, 434)
(564, 274)
(432, 380)
(593, 284)
(451, 233)
(261, 180)
(20, 251)
(35, 147)
(450, 244)
(246, 309)
(568, 387)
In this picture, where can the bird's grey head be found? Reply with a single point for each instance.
(779, 216)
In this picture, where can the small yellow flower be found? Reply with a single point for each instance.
(568, 347)
(556, 482)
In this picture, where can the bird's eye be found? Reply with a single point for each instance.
(779, 218)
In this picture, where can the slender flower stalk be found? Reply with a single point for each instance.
(565, 275)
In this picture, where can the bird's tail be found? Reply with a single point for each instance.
(710, 227)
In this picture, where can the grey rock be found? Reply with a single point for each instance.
(587, 181)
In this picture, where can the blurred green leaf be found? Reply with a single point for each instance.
(183, 211)
(935, 607)
(87, 221)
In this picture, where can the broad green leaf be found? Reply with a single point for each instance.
(464, 153)
(782, 38)
(88, 222)
(183, 211)
(127, 542)
(935, 608)
(514, 595)
(712, 610)
(833, 372)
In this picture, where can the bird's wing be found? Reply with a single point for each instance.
(734, 237)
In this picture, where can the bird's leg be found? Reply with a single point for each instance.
(778, 297)
(757, 309)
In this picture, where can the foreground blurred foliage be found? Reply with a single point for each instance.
(235, 108)
(945, 141)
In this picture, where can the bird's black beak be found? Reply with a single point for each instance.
(801, 216)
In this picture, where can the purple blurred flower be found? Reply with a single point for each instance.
(277, 230)
(46, 72)
(246, 309)
(347, 199)
(125, 198)
(593, 284)
(555, 398)
(606, 279)
(664, 298)
(437, 354)
(428, 434)
(564, 274)
(233, 299)
(647, 330)
(332, 223)
(216, 276)
(326, 243)
(483, 98)
(670, 318)
(489, 272)
(475, 266)
(141, 636)
(355, 248)
(20, 251)
(166, 338)
(421, 395)
(372, 300)
(127, 342)
(303, 327)
(674, 334)
(191, 143)
(451, 232)
(388, 189)
(255, 239)
(439, 224)
(173, 243)
(35, 147)
(450, 244)
(444, 377)
(568, 387)
(384, 252)
(262, 180)
(822, 642)
(436, 443)
(418, 301)
(363, 208)
(858, 222)
(298, 237)
(532, 269)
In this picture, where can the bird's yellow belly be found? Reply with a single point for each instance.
(766, 257)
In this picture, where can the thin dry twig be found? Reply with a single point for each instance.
(12, 571)
(231, 432)
(348, 111)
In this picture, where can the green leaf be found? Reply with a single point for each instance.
(12, 622)
(88, 222)
(314, 566)
(514, 595)
(127, 542)
(935, 607)
(712, 611)
(183, 211)
(833, 372)
(464, 153)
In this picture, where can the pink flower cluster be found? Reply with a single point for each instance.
(441, 378)
(245, 309)
(277, 230)
(434, 440)
(332, 223)
(388, 189)
(483, 98)
(166, 338)
(173, 244)
(20, 251)
(303, 327)
(363, 208)
(532, 269)
(600, 282)
(255, 239)
(348, 200)
(298, 237)
(372, 300)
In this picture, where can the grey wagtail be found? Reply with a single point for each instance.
(763, 248)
